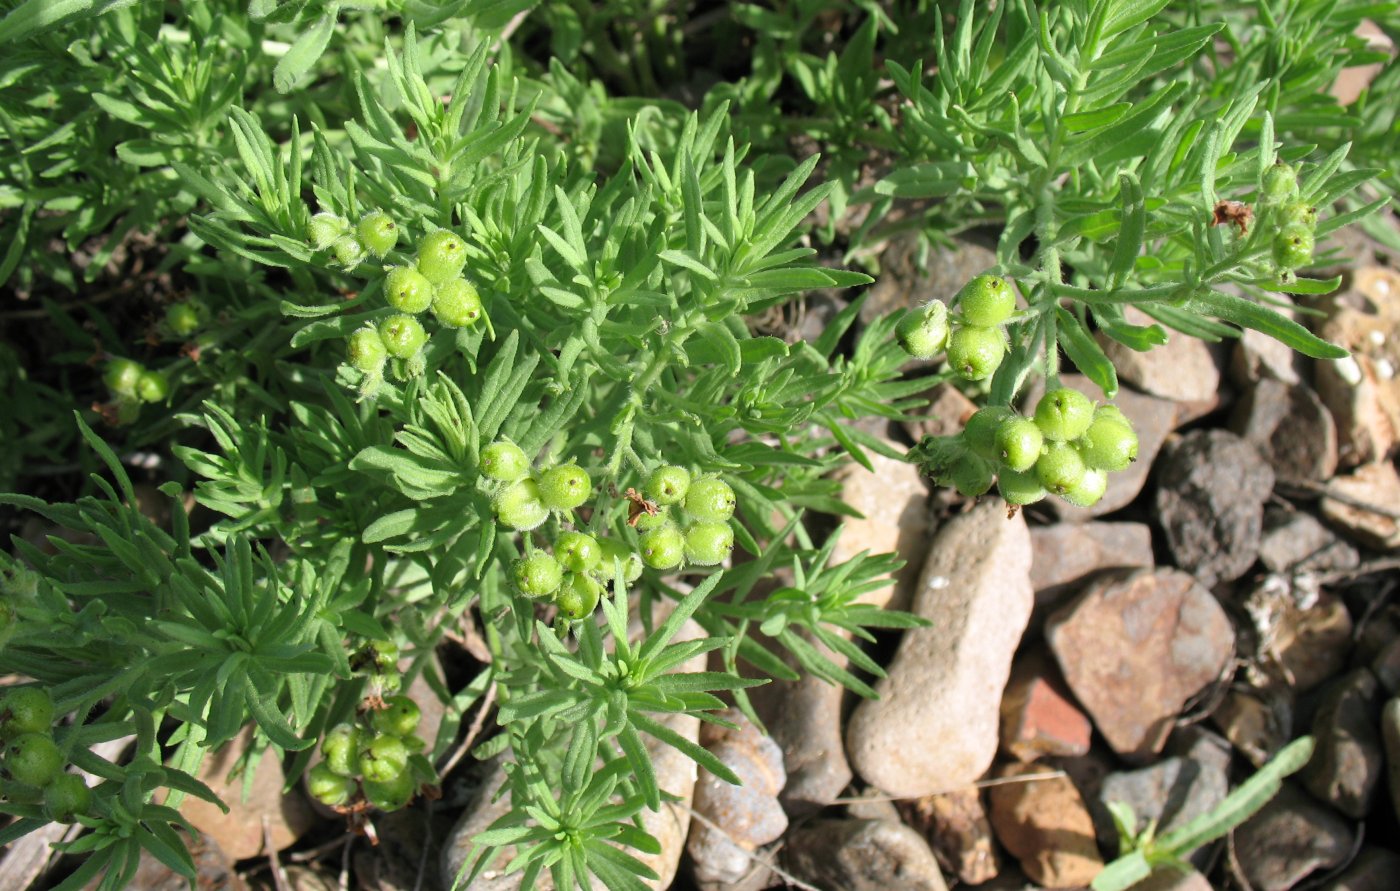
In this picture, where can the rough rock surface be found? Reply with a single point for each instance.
(1173, 792)
(1291, 428)
(1212, 486)
(1182, 369)
(1348, 762)
(893, 501)
(804, 718)
(905, 281)
(1374, 869)
(1313, 644)
(1362, 391)
(1297, 541)
(1371, 484)
(1288, 839)
(1066, 553)
(1134, 647)
(935, 726)
(1038, 716)
(1045, 824)
(956, 825)
(863, 855)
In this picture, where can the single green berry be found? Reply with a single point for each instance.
(407, 290)
(577, 551)
(341, 749)
(976, 353)
(980, 432)
(33, 759)
(707, 544)
(1108, 444)
(986, 301)
(328, 787)
(1280, 183)
(324, 229)
(1020, 488)
(537, 575)
(153, 386)
(971, 476)
(441, 256)
(710, 500)
(667, 484)
(923, 332)
(1293, 246)
(505, 461)
(26, 710)
(613, 551)
(662, 548)
(1089, 489)
(183, 319)
(348, 251)
(647, 522)
(399, 717)
(1018, 443)
(578, 595)
(122, 376)
(385, 654)
(66, 798)
(383, 758)
(391, 794)
(456, 303)
(1060, 468)
(520, 506)
(1112, 412)
(1300, 212)
(378, 232)
(1064, 414)
(366, 352)
(565, 487)
(403, 336)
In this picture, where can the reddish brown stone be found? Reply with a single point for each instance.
(1038, 716)
(1045, 824)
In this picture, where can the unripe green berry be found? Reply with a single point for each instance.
(391, 794)
(520, 506)
(647, 522)
(613, 550)
(1060, 468)
(505, 461)
(341, 749)
(923, 332)
(1293, 246)
(122, 377)
(1112, 412)
(577, 551)
(1018, 443)
(26, 710)
(1064, 414)
(348, 251)
(1020, 488)
(378, 232)
(1089, 489)
(667, 484)
(971, 476)
(1280, 184)
(980, 432)
(33, 759)
(184, 318)
(366, 352)
(710, 500)
(399, 717)
(662, 548)
(1108, 444)
(66, 798)
(707, 544)
(385, 654)
(986, 301)
(456, 303)
(578, 595)
(441, 256)
(1299, 212)
(403, 336)
(329, 787)
(153, 386)
(383, 759)
(976, 353)
(565, 487)
(407, 290)
(324, 228)
(537, 575)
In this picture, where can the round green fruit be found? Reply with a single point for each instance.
(403, 336)
(33, 759)
(1018, 443)
(407, 290)
(577, 551)
(976, 353)
(328, 787)
(184, 318)
(1064, 414)
(1060, 468)
(971, 476)
(348, 251)
(399, 717)
(986, 301)
(520, 506)
(122, 376)
(1280, 183)
(441, 256)
(505, 461)
(1020, 488)
(391, 794)
(613, 552)
(324, 228)
(341, 749)
(980, 432)
(663, 547)
(66, 798)
(710, 500)
(378, 232)
(456, 303)
(537, 575)
(1108, 444)
(1293, 246)
(153, 386)
(565, 487)
(26, 710)
(707, 544)
(366, 352)
(1089, 489)
(923, 332)
(578, 596)
(667, 485)
(383, 759)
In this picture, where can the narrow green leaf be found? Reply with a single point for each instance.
(1247, 314)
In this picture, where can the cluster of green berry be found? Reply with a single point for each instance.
(524, 500)
(375, 234)
(574, 575)
(973, 336)
(377, 759)
(1293, 221)
(701, 534)
(32, 764)
(1068, 448)
(131, 384)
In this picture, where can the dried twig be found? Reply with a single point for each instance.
(980, 784)
(279, 878)
(472, 732)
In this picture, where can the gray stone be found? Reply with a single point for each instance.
(1166, 878)
(1374, 869)
(1291, 428)
(1347, 765)
(804, 719)
(1297, 541)
(1066, 553)
(1375, 484)
(1256, 722)
(1182, 369)
(1172, 792)
(1212, 486)
(1386, 667)
(1289, 838)
(934, 727)
(863, 855)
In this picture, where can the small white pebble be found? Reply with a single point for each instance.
(1377, 337)
(938, 582)
(1349, 370)
(1384, 369)
(1382, 287)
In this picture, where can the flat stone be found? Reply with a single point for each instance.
(1296, 541)
(1313, 643)
(1038, 715)
(1045, 825)
(1390, 737)
(1374, 869)
(1134, 647)
(1288, 839)
(872, 804)
(1291, 428)
(1173, 792)
(804, 719)
(1212, 486)
(893, 500)
(934, 727)
(1255, 723)
(1369, 485)
(1182, 369)
(863, 855)
(956, 825)
(1066, 553)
